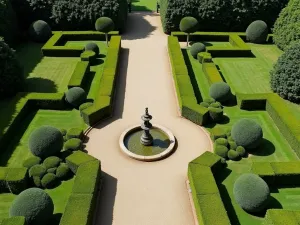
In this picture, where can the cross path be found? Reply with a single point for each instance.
(135, 192)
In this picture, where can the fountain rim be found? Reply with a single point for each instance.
(152, 157)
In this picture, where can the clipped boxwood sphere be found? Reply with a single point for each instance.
(233, 155)
(104, 24)
(197, 48)
(257, 32)
(52, 170)
(232, 145)
(221, 150)
(204, 104)
(37, 171)
(92, 46)
(251, 192)
(76, 96)
(52, 161)
(220, 91)
(37, 181)
(188, 24)
(63, 171)
(221, 141)
(32, 161)
(241, 150)
(49, 180)
(34, 204)
(73, 144)
(45, 141)
(40, 31)
(247, 133)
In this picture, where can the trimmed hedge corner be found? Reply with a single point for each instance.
(17, 179)
(78, 158)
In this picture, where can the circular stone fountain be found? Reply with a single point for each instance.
(147, 142)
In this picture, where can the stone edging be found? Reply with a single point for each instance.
(191, 201)
(153, 157)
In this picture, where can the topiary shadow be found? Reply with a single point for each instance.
(40, 85)
(272, 204)
(55, 219)
(265, 148)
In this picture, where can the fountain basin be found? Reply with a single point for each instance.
(163, 143)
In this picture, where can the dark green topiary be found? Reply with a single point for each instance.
(52, 161)
(34, 204)
(247, 133)
(49, 180)
(241, 150)
(251, 192)
(76, 96)
(63, 171)
(257, 32)
(221, 141)
(285, 76)
(52, 170)
(73, 144)
(188, 25)
(197, 48)
(232, 145)
(40, 31)
(216, 114)
(8, 26)
(45, 141)
(204, 104)
(11, 72)
(105, 25)
(221, 150)
(287, 26)
(32, 161)
(220, 91)
(233, 155)
(209, 100)
(37, 171)
(92, 46)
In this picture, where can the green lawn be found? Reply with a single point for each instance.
(143, 5)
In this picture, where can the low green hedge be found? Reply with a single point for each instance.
(211, 72)
(3, 184)
(210, 160)
(79, 74)
(79, 210)
(87, 178)
(281, 216)
(16, 220)
(78, 158)
(74, 133)
(203, 36)
(17, 179)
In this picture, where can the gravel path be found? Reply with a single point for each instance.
(145, 193)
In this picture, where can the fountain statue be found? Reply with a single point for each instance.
(146, 138)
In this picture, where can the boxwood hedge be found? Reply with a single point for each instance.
(76, 159)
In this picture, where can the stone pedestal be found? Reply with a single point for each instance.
(146, 138)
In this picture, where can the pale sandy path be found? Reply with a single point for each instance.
(134, 192)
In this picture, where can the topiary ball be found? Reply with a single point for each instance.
(232, 144)
(92, 46)
(45, 141)
(37, 171)
(247, 133)
(52, 161)
(251, 192)
(241, 150)
(32, 161)
(34, 204)
(63, 171)
(221, 150)
(73, 144)
(221, 141)
(40, 31)
(52, 170)
(104, 24)
(257, 32)
(233, 155)
(76, 96)
(49, 180)
(188, 25)
(220, 91)
(197, 48)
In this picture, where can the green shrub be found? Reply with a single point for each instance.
(251, 192)
(37, 181)
(204, 104)
(40, 31)
(220, 91)
(49, 180)
(45, 141)
(63, 171)
(247, 133)
(285, 75)
(216, 114)
(76, 159)
(241, 150)
(232, 145)
(52, 161)
(221, 150)
(34, 204)
(73, 144)
(233, 155)
(209, 100)
(104, 24)
(92, 46)
(221, 141)
(75, 133)
(197, 48)
(52, 170)
(218, 132)
(16, 220)
(76, 96)
(63, 132)
(216, 105)
(9, 26)
(287, 26)
(257, 32)
(37, 171)
(32, 161)
(11, 72)
(188, 25)
(17, 179)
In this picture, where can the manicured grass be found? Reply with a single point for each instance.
(143, 5)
